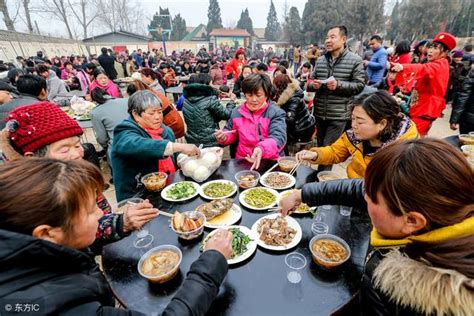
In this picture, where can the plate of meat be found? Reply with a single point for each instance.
(278, 180)
(277, 233)
(220, 213)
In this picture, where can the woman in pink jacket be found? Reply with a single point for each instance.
(101, 80)
(258, 125)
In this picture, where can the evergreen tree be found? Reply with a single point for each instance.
(462, 24)
(326, 13)
(179, 28)
(159, 21)
(292, 27)
(306, 21)
(273, 29)
(245, 22)
(394, 23)
(214, 16)
(365, 17)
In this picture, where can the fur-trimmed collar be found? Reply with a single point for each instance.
(423, 288)
(288, 92)
(6, 147)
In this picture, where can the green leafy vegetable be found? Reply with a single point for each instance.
(219, 189)
(259, 198)
(181, 190)
(239, 242)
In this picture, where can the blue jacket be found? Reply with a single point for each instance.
(135, 154)
(376, 66)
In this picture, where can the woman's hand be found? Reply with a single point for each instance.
(396, 67)
(454, 126)
(187, 149)
(290, 202)
(138, 215)
(256, 158)
(221, 241)
(221, 136)
(306, 156)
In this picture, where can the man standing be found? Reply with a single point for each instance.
(378, 62)
(296, 59)
(338, 76)
(312, 54)
(108, 63)
(290, 55)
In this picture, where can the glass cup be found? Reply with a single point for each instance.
(345, 210)
(295, 262)
(319, 228)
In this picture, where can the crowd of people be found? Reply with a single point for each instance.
(374, 110)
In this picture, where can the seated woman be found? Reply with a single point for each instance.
(420, 198)
(300, 124)
(56, 136)
(44, 251)
(171, 117)
(376, 122)
(101, 80)
(202, 111)
(143, 144)
(152, 79)
(258, 125)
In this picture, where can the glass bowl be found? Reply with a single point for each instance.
(245, 183)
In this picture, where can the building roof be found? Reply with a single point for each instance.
(195, 33)
(229, 32)
(259, 32)
(122, 33)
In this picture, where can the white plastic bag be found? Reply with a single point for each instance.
(200, 169)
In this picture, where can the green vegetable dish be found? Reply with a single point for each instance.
(218, 190)
(259, 198)
(181, 190)
(239, 242)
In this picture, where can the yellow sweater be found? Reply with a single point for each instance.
(343, 148)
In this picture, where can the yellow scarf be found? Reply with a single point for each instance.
(464, 228)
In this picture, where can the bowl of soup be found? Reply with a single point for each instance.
(247, 178)
(286, 164)
(155, 181)
(328, 176)
(160, 264)
(329, 250)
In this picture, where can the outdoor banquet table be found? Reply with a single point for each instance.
(258, 285)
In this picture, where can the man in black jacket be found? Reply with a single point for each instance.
(338, 76)
(108, 63)
(462, 116)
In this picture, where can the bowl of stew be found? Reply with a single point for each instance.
(286, 164)
(160, 264)
(329, 250)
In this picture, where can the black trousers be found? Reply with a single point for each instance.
(328, 131)
(465, 127)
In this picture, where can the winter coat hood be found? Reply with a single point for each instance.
(293, 90)
(197, 91)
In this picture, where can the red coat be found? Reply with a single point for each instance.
(234, 67)
(431, 84)
(404, 83)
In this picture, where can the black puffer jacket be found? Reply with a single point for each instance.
(348, 70)
(300, 124)
(463, 108)
(68, 281)
(202, 113)
(393, 283)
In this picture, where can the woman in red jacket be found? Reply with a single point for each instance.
(235, 66)
(431, 82)
(402, 56)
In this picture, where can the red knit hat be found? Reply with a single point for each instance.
(240, 51)
(34, 126)
(447, 39)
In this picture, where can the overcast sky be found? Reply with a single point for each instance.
(194, 11)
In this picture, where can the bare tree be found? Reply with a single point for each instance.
(26, 8)
(120, 15)
(6, 16)
(58, 9)
(81, 11)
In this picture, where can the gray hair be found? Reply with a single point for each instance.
(142, 100)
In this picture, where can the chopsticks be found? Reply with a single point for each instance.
(274, 166)
(294, 168)
(161, 212)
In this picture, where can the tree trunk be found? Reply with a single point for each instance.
(63, 13)
(84, 18)
(26, 6)
(6, 16)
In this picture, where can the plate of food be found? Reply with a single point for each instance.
(180, 191)
(277, 233)
(278, 180)
(220, 213)
(244, 243)
(218, 189)
(259, 198)
(303, 208)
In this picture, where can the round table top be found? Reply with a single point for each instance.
(258, 285)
